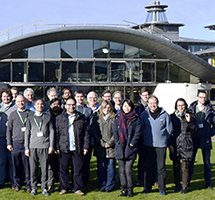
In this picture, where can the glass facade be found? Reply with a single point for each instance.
(82, 63)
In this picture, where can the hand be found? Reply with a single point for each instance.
(27, 153)
(187, 116)
(51, 150)
(107, 145)
(57, 152)
(85, 151)
(171, 148)
(10, 147)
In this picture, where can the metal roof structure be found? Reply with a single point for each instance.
(159, 46)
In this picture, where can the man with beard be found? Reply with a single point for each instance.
(66, 94)
(53, 169)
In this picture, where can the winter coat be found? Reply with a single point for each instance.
(81, 132)
(181, 138)
(156, 131)
(204, 134)
(134, 131)
(103, 133)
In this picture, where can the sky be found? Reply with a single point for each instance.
(195, 14)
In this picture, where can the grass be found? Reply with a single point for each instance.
(196, 191)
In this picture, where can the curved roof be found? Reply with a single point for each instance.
(162, 47)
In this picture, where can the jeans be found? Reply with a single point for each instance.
(4, 156)
(106, 172)
(206, 154)
(125, 173)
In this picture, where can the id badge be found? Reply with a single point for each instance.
(40, 134)
(23, 129)
(201, 126)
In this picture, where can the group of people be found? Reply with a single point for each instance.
(63, 132)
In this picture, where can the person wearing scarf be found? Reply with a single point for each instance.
(181, 144)
(126, 130)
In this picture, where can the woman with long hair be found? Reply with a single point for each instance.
(104, 147)
(126, 131)
(180, 143)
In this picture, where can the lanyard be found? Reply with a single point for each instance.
(21, 117)
(39, 125)
(202, 112)
(4, 110)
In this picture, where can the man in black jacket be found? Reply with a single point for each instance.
(73, 143)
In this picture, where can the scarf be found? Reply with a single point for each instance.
(124, 120)
(180, 115)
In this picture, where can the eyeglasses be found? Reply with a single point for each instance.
(181, 106)
(70, 105)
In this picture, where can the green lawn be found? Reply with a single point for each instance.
(196, 191)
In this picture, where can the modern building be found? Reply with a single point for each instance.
(103, 57)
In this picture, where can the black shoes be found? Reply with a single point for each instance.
(177, 189)
(184, 191)
(140, 183)
(124, 193)
(130, 193)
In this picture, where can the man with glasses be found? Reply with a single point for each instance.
(73, 143)
(202, 139)
(117, 99)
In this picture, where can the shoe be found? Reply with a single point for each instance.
(45, 192)
(28, 190)
(130, 193)
(13, 187)
(33, 192)
(145, 191)
(16, 189)
(210, 187)
(162, 193)
(177, 189)
(79, 192)
(102, 190)
(63, 192)
(123, 194)
(1, 186)
(107, 190)
(140, 183)
(184, 191)
(51, 188)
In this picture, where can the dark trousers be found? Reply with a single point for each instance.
(35, 156)
(86, 166)
(20, 164)
(125, 173)
(53, 169)
(77, 168)
(153, 153)
(185, 172)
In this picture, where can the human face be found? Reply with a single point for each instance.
(6, 99)
(107, 96)
(91, 98)
(20, 102)
(106, 109)
(180, 106)
(117, 99)
(202, 97)
(79, 98)
(126, 108)
(29, 96)
(70, 106)
(55, 107)
(52, 95)
(66, 94)
(145, 96)
(153, 104)
(14, 94)
(39, 105)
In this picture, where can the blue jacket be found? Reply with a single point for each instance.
(156, 131)
(204, 134)
(133, 136)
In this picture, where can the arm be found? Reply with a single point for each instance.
(51, 137)
(137, 132)
(86, 138)
(169, 126)
(9, 133)
(27, 137)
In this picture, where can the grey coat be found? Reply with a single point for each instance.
(103, 133)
